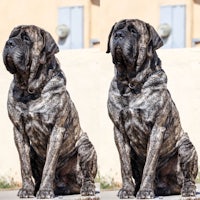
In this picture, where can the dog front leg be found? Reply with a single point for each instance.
(146, 190)
(124, 149)
(46, 190)
(23, 148)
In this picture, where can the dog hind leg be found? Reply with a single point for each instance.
(188, 164)
(87, 160)
(68, 177)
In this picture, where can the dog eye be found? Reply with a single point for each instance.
(132, 30)
(25, 38)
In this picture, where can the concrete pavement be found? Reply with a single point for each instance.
(104, 195)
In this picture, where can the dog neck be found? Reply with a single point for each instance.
(131, 79)
(44, 73)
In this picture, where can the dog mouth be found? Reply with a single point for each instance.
(118, 55)
(118, 50)
(9, 62)
(16, 60)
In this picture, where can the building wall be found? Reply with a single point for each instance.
(45, 15)
(98, 18)
(113, 12)
(196, 17)
(149, 12)
(14, 13)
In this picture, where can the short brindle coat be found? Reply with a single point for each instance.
(51, 145)
(156, 155)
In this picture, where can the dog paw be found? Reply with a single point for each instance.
(88, 189)
(25, 193)
(125, 193)
(45, 194)
(188, 190)
(145, 194)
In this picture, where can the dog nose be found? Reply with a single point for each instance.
(10, 43)
(119, 34)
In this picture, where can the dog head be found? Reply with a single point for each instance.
(28, 49)
(131, 41)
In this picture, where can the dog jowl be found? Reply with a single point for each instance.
(156, 155)
(52, 147)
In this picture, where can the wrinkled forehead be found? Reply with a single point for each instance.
(33, 32)
(139, 25)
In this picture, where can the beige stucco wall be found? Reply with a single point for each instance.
(89, 73)
(196, 27)
(14, 13)
(112, 12)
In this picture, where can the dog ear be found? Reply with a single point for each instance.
(149, 42)
(50, 47)
(43, 48)
(15, 31)
(155, 39)
(142, 43)
(109, 36)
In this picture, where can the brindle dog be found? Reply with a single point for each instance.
(156, 155)
(51, 145)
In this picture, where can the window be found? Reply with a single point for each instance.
(175, 17)
(72, 17)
